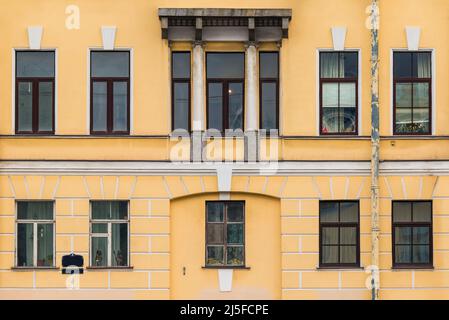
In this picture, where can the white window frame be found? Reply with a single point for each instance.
(359, 89)
(35, 224)
(434, 101)
(108, 235)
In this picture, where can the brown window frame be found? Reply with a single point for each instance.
(412, 224)
(339, 225)
(110, 99)
(269, 80)
(413, 80)
(35, 99)
(225, 93)
(181, 80)
(339, 81)
(225, 244)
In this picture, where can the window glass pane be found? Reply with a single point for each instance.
(225, 65)
(349, 212)
(347, 95)
(181, 105)
(421, 254)
(120, 100)
(99, 251)
(348, 235)
(422, 211)
(235, 106)
(402, 211)
(99, 106)
(421, 235)
(404, 120)
(348, 120)
(329, 236)
(330, 65)
(350, 64)
(329, 211)
(215, 109)
(234, 256)
(181, 65)
(25, 106)
(99, 228)
(402, 64)
(215, 233)
(422, 64)
(215, 255)
(235, 233)
(35, 210)
(35, 64)
(403, 95)
(215, 212)
(45, 106)
(421, 95)
(330, 108)
(235, 212)
(110, 64)
(25, 236)
(348, 254)
(105, 210)
(329, 254)
(269, 105)
(269, 65)
(421, 120)
(403, 254)
(403, 235)
(45, 245)
(119, 244)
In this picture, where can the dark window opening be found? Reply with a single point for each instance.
(181, 90)
(269, 90)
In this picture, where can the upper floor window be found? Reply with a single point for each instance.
(338, 93)
(412, 234)
(109, 238)
(225, 90)
(269, 90)
(35, 234)
(35, 92)
(181, 90)
(339, 234)
(110, 90)
(412, 87)
(225, 233)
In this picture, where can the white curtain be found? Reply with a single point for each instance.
(424, 65)
(332, 65)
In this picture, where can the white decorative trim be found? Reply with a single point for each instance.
(108, 36)
(35, 37)
(225, 279)
(413, 37)
(224, 177)
(339, 38)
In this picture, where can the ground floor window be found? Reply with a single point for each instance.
(35, 234)
(225, 233)
(109, 234)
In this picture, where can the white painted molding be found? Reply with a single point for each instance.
(413, 37)
(224, 177)
(339, 38)
(35, 37)
(108, 36)
(225, 279)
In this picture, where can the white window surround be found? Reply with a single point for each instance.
(13, 86)
(359, 88)
(131, 86)
(434, 104)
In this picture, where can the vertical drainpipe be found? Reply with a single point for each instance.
(375, 140)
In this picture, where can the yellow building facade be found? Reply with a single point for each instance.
(165, 195)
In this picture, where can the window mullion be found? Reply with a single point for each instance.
(35, 245)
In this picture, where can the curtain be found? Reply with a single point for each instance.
(424, 65)
(119, 244)
(45, 245)
(332, 65)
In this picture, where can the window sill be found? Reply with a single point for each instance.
(342, 268)
(399, 268)
(35, 268)
(227, 267)
(109, 268)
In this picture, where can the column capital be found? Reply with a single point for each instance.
(252, 44)
(198, 43)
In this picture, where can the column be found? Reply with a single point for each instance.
(198, 101)
(251, 123)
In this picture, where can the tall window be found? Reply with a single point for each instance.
(35, 92)
(412, 234)
(338, 93)
(35, 234)
(339, 234)
(181, 90)
(412, 92)
(109, 234)
(109, 92)
(269, 90)
(225, 90)
(225, 233)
